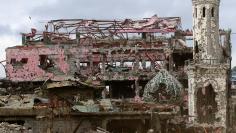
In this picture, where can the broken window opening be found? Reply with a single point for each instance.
(83, 65)
(144, 35)
(196, 49)
(204, 12)
(24, 60)
(13, 61)
(148, 64)
(118, 64)
(20, 63)
(196, 12)
(212, 12)
(140, 66)
(113, 64)
(106, 92)
(206, 104)
(128, 64)
(45, 62)
(124, 89)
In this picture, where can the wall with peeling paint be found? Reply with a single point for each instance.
(30, 70)
(61, 61)
(202, 76)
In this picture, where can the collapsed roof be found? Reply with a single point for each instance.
(65, 30)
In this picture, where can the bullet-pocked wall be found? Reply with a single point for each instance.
(208, 75)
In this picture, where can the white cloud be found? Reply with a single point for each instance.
(6, 41)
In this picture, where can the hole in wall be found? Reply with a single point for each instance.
(206, 104)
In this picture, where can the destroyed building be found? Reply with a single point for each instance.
(122, 76)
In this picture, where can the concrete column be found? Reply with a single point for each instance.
(103, 64)
(104, 124)
(91, 61)
(171, 62)
(78, 65)
(137, 91)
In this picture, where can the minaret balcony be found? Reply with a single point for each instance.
(207, 62)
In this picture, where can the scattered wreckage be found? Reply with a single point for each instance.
(101, 76)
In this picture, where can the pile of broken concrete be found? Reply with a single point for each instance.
(13, 128)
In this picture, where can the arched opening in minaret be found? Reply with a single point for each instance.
(196, 12)
(204, 12)
(206, 104)
(212, 12)
(196, 49)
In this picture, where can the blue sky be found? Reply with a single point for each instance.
(15, 15)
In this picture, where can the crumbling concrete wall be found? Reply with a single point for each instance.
(208, 74)
(63, 62)
(201, 77)
(23, 64)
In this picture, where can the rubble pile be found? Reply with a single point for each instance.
(17, 101)
(13, 128)
(120, 76)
